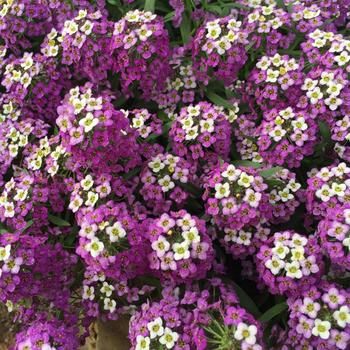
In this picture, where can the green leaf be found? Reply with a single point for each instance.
(270, 172)
(114, 2)
(325, 131)
(29, 223)
(272, 312)
(58, 221)
(169, 16)
(185, 28)
(149, 5)
(246, 163)
(218, 100)
(131, 173)
(246, 301)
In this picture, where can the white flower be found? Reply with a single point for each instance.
(342, 59)
(321, 329)
(338, 189)
(115, 232)
(87, 182)
(166, 183)
(327, 78)
(144, 33)
(264, 63)
(277, 133)
(333, 102)
(207, 125)
(142, 343)
(161, 246)
(246, 333)
(9, 210)
(87, 27)
(324, 193)
(213, 32)
(156, 165)
(293, 270)
(285, 195)
(92, 199)
(252, 197)
(89, 122)
(169, 338)
(341, 169)
(346, 214)
(275, 265)
(156, 328)
(186, 222)
(342, 316)
(272, 75)
(191, 236)
(280, 250)
(222, 190)
(75, 204)
(193, 111)
(95, 247)
(109, 304)
(299, 124)
(231, 173)
(222, 45)
(191, 133)
(88, 293)
(309, 84)
(298, 240)
(297, 254)
(245, 180)
(314, 95)
(107, 289)
(334, 89)
(181, 251)
(5, 252)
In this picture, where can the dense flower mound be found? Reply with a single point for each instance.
(182, 163)
(191, 318)
(320, 319)
(245, 241)
(181, 247)
(79, 45)
(202, 132)
(335, 235)
(91, 128)
(327, 188)
(162, 179)
(181, 86)
(140, 45)
(235, 196)
(219, 50)
(289, 263)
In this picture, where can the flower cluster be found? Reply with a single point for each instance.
(219, 50)
(327, 187)
(140, 45)
(181, 247)
(334, 232)
(202, 131)
(98, 136)
(235, 196)
(289, 262)
(162, 180)
(320, 318)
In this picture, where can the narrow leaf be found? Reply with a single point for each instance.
(272, 312)
(185, 28)
(246, 163)
(58, 221)
(246, 301)
(218, 100)
(270, 172)
(149, 5)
